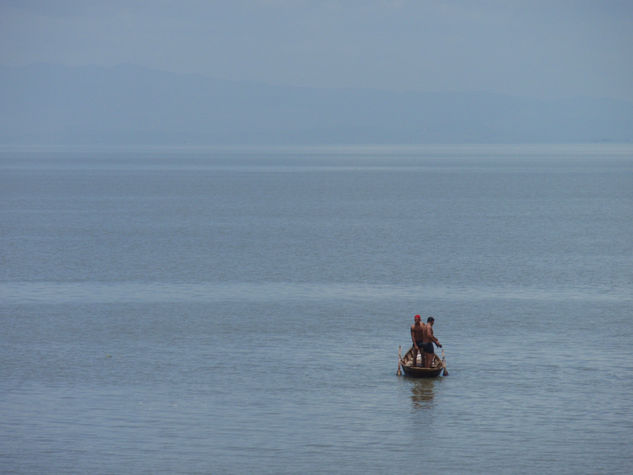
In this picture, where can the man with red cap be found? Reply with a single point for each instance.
(418, 330)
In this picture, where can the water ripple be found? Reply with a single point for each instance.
(208, 292)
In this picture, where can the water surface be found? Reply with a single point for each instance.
(240, 310)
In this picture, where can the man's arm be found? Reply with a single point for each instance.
(415, 344)
(433, 339)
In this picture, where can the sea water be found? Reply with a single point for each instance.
(227, 310)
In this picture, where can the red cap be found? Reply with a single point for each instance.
(417, 317)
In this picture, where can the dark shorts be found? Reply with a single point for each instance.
(427, 347)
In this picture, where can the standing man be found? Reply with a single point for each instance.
(418, 329)
(427, 342)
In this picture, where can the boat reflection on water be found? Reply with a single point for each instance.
(422, 393)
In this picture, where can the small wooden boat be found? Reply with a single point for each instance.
(407, 364)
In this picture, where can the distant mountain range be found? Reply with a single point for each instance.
(129, 105)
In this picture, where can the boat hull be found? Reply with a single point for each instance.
(417, 372)
(409, 369)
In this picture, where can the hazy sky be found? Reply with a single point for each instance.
(541, 49)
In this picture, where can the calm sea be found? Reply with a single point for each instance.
(240, 310)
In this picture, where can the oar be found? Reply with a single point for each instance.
(444, 363)
(399, 373)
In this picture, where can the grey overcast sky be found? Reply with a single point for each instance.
(532, 48)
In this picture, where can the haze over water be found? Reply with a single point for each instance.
(236, 310)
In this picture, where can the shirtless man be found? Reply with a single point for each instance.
(417, 336)
(427, 342)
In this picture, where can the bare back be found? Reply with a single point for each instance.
(417, 332)
(428, 336)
